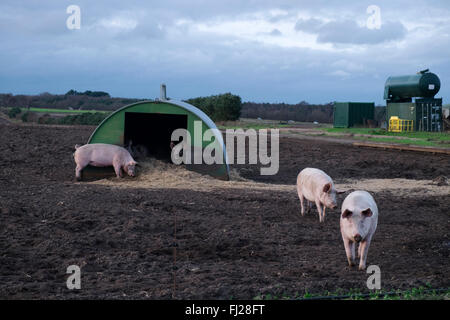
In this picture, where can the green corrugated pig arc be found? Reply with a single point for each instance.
(111, 129)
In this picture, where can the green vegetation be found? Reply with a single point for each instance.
(222, 107)
(24, 116)
(88, 93)
(420, 138)
(420, 293)
(13, 112)
(301, 112)
(88, 100)
(48, 110)
(79, 119)
(66, 117)
(378, 131)
(424, 143)
(250, 125)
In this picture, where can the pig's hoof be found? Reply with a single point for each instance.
(362, 268)
(78, 179)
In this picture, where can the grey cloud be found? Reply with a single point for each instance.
(275, 32)
(40, 54)
(143, 30)
(348, 31)
(309, 25)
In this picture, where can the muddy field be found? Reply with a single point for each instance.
(172, 233)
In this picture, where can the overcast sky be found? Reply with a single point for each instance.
(264, 51)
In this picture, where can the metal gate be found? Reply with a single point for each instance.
(429, 114)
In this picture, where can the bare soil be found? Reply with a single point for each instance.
(170, 233)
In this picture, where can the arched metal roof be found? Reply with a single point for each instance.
(207, 120)
(188, 107)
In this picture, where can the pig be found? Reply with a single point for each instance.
(316, 186)
(103, 155)
(359, 219)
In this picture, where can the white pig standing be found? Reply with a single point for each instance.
(104, 155)
(316, 186)
(359, 219)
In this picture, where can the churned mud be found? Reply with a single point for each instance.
(172, 233)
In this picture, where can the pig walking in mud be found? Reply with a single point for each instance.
(316, 186)
(104, 155)
(359, 218)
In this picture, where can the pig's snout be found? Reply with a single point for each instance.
(357, 237)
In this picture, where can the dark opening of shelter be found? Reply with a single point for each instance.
(152, 131)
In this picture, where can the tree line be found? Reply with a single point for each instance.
(88, 93)
(72, 100)
(222, 107)
(302, 111)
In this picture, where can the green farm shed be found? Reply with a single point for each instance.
(350, 114)
(151, 123)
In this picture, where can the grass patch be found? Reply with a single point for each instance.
(420, 293)
(419, 138)
(422, 143)
(85, 118)
(249, 125)
(49, 110)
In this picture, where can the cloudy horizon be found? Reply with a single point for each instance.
(264, 51)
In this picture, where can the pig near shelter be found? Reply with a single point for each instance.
(359, 219)
(103, 155)
(316, 186)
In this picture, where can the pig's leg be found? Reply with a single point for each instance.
(309, 206)
(349, 251)
(300, 195)
(323, 213)
(319, 209)
(302, 205)
(80, 166)
(364, 249)
(117, 164)
(78, 172)
(117, 169)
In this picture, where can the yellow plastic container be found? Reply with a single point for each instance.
(400, 125)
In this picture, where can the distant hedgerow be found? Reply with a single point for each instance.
(88, 118)
(222, 107)
(13, 112)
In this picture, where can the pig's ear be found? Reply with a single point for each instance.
(347, 213)
(327, 187)
(367, 212)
